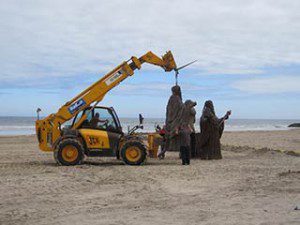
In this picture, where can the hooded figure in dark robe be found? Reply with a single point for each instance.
(173, 117)
(211, 131)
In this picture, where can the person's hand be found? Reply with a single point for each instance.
(228, 113)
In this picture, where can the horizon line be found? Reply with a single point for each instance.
(131, 117)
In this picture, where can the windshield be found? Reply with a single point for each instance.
(103, 119)
(99, 118)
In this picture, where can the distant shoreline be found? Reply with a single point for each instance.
(145, 133)
(14, 126)
(160, 118)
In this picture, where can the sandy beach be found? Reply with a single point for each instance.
(250, 185)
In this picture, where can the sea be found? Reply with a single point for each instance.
(26, 125)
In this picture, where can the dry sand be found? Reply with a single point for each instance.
(277, 140)
(247, 187)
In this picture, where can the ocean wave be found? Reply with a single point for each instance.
(255, 128)
(14, 127)
(20, 127)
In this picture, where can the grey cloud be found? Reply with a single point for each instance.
(67, 38)
(156, 89)
(269, 85)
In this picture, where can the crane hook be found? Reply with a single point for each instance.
(181, 67)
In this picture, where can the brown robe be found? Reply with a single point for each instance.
(173, 116)
(192, 120)
(188, 119)
(186, 127)
(209, 145)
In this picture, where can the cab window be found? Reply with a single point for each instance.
(105, 118)
(88, 114)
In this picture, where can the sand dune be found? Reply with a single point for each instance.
(247, 187)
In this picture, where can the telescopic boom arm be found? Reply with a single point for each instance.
(96, 92)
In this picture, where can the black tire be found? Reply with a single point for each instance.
(138, 146)
(58, 152)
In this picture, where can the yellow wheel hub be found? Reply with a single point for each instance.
(133, 154)
(69, 153)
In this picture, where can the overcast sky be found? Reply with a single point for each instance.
(248, 54)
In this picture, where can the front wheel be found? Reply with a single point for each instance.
(133, 153)
(69, 152)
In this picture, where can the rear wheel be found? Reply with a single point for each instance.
(133, 153)
(69, 152)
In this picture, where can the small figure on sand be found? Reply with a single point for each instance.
(162, 133)
(211, 131)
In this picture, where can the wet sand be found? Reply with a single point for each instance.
(249, 186)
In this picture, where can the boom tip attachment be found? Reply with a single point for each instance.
(181, 67)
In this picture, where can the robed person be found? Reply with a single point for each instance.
(173, 115)
(186, 128)
(211, 132)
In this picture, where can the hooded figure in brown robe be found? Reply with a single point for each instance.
(192, 119)
(185, 130)
(189, 116)
(211, 131)
(173, 117)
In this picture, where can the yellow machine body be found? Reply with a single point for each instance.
(48, 130)
(95, 139)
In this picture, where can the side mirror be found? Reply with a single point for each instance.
(141, 118)
(38, 113)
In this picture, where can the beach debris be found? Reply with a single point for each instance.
(294, 125)
(297, 207)
(289, 172)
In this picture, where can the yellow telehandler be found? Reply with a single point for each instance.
(71, 143)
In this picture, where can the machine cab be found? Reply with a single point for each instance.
(108, 115)
(102, 137)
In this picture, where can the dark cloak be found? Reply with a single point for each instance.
(173, 116)
(211, 128)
